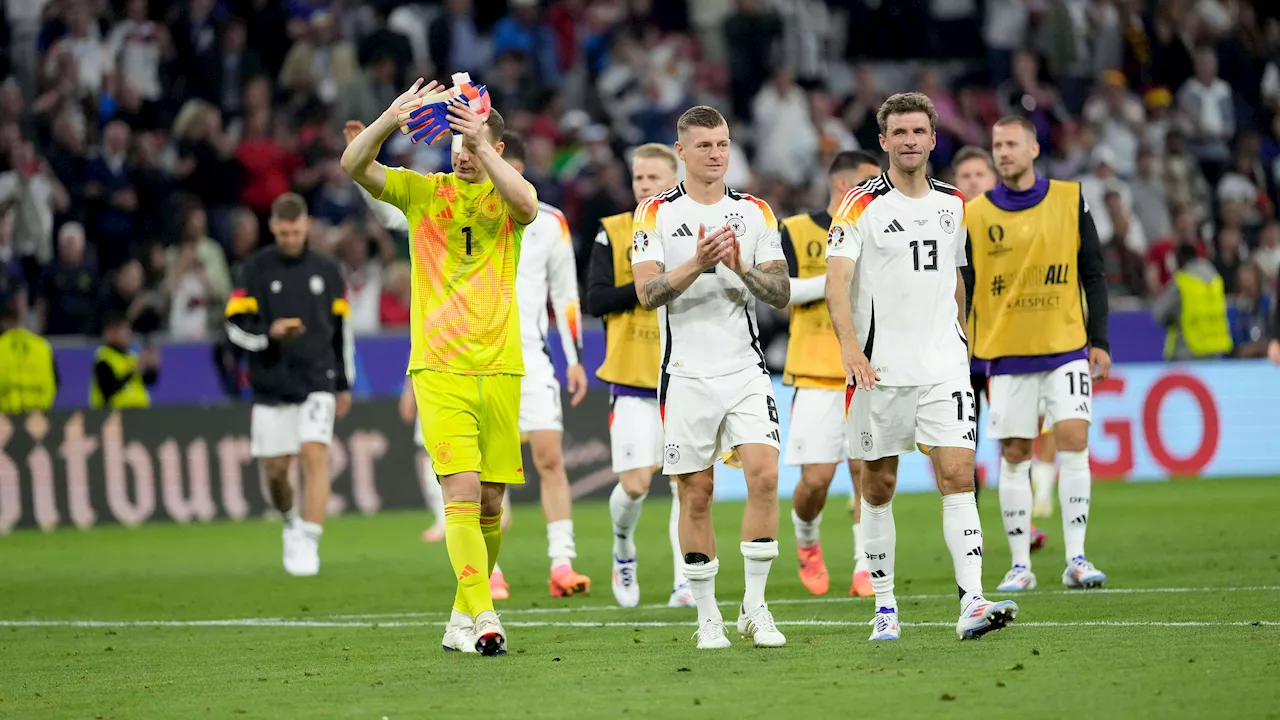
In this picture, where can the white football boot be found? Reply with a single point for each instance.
(884, 626)
(1081, 573)
(460, 633)
(626, 586)
(682, 596)
(301, 551)
(982, 616)
(710, 636)
(758, 626)
(491, 638)
(1018, 579)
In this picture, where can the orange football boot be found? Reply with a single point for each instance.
(567, 583)
(813, 570)
(498, 587)
(861, 586)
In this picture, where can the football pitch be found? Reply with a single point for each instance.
(201, 621)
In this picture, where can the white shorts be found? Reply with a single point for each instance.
(817, 435)
(540, 400)
(279, 430)
(895, 420)
(1015, 400)
(705, 417)
(635, 433)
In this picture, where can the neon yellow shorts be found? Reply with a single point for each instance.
(470, 424)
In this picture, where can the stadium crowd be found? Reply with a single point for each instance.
(142, 142)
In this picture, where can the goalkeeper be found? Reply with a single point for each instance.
(465, 365)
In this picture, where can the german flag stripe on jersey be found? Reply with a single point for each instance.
(854, 202)
(240, 303)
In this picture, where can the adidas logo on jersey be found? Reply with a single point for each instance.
(895, 227)
(976, 552)
(1080, 520)
(683, 231)
(972, 435)
(1083, 407)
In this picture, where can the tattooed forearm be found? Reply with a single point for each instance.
(769, 282)
(658, 292)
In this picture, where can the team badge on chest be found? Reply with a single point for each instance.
(736, 224)
(947, 221)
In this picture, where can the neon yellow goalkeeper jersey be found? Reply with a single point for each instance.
(465, 248)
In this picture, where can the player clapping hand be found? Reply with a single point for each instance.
(713, 246)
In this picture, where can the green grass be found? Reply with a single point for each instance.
(1202, 536)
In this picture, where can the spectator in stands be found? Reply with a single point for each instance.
(66, 298)
(524, 31)
(1094, 188)
(1193, 308)
(1124, 268)
(1150, 203)
(1229, 256)
(1205, 100)
(1251, 324)
(194, 32)
(113, 199)
(34, 192)
(454, 40)
(370, 91)
(1117, 117)
(397, 296)
(67, 157)
(13, 283)
(750, 37)
(267, 165)
(196, 276)
(127, 295)
(136, 47)
(955, 129)
(364, 280)
(1184, 181)
(859, 111)
(1267, 256)
(1160, 119)
(120, 375)
(244, 238)
(237, 65)
(91, 57)
(1026, 94)
(319, 63)
(786, 140)
(1162, 258)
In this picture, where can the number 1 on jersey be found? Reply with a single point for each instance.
(466, 233)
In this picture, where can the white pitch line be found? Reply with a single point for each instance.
(285, 623)
(815, 601)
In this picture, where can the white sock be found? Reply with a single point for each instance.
(757, 557)
(702, 580)
(962, 529)
(497, 570)
(1043, 475)
(431, 491)
(315, 530)
(859, 549)
(1015, 507)
(560, 546)
(880, 542)
(1075, 484)
(625, 511)
(807, 532)
(673, 533)
(291, 516)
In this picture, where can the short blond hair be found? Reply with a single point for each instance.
(657, 151)
(905, 104)
(703, 116)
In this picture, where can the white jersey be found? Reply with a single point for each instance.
(710, 330)
(547, 269)
(906, 252)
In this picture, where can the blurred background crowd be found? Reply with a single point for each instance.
(142, 141)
